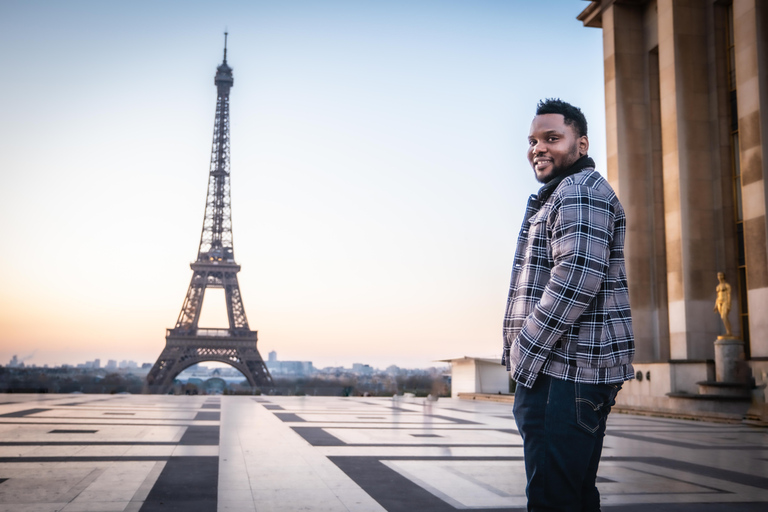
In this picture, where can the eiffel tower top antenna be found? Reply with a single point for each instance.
(216, 237)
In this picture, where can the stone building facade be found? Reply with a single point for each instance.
(686, 93)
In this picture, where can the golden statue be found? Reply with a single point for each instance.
(723, 303)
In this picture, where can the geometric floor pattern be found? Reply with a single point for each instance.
(150, 453)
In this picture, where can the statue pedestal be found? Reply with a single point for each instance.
(729, 360)
(732, 375)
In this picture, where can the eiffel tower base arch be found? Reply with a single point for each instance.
(184, 350)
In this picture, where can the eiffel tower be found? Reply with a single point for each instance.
(187, 344)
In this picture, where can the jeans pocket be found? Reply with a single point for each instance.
(593, 403)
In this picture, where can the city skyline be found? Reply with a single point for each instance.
(378, 170)
(283, 367)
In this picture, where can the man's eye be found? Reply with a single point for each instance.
(552, 139)
(531, 142)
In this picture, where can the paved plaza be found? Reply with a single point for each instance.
(263, 453)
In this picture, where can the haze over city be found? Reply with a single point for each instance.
(378, 169)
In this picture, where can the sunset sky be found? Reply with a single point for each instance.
(378, 169)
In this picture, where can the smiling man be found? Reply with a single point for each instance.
(567, 330)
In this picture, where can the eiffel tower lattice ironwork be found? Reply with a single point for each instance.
(187, 344)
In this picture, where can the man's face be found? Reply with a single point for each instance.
(553, 146)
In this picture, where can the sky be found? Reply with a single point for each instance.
(378, 162)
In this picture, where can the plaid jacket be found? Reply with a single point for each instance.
(568, 310)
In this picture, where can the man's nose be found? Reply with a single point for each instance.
(539, 148)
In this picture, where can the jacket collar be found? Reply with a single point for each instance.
(579, 165)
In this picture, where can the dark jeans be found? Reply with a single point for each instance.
(562, 424)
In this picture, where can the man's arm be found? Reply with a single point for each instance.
(582, 230)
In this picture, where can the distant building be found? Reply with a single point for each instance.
(333, 371)
(111, 365)
(392, 370)
(478, 375)
(362, 369)
(288, 368)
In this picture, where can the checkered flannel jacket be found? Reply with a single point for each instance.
(568, 310)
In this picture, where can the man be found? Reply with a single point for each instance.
(567, 330)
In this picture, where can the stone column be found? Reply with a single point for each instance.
(688, 177)
(634, 168)
(750, 20)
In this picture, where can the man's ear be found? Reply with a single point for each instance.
(583, 145)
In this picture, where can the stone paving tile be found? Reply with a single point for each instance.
(142, 453)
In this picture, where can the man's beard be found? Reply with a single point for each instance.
(557, 171)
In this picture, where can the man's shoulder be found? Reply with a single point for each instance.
(588, 177)
(585, 187)
(582, 182)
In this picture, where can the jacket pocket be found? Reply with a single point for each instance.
(537, 250)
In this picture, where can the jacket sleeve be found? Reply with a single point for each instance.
(580, 228)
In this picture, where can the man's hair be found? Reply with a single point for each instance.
(573, 115)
